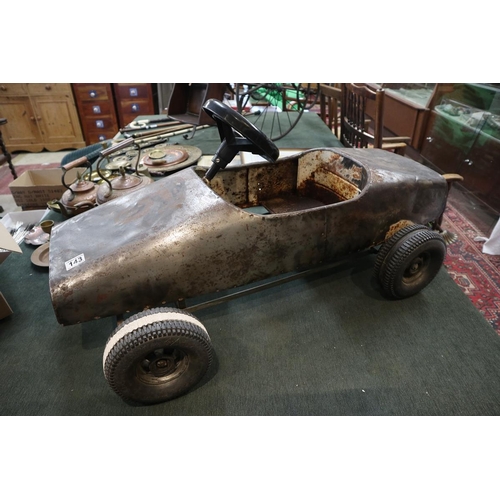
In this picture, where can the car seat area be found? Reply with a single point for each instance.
(321, 177)
(331, 177)
(301, 182)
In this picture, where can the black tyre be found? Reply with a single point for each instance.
(412, 263)
(388, 244)
(157, 355)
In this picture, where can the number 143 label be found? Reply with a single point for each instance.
(75, 261)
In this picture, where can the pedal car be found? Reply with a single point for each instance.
(200, 231)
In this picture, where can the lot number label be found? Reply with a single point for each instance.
(75, 261)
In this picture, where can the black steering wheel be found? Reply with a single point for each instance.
(250, 138)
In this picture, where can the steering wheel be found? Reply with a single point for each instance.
(249, 137)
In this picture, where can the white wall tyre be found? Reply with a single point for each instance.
(157, 355)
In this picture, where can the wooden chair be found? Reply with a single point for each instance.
(329, 102)
(5, 156)
(360, 129)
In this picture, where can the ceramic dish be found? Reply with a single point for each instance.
(40, 257)
(36, 237)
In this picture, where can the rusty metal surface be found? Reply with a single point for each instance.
(180, 238)
(397, 188)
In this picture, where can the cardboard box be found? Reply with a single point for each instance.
(34, 188)
(9, 222)
(5, 309)
(7, 244)
(12, 219)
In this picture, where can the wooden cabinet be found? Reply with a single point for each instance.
(406, 108)
(40, 116)
(97, 111)
(132, 100)
(104, 108)
(187, 99)
(465, 140)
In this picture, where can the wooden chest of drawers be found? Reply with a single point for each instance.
(132, 100)
(97, 111)
(104, 108)
(39, 115)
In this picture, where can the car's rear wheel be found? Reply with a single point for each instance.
(157, 355)
(389, 244)
(411, 262)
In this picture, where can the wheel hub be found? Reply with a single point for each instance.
(163, 364)
(162, 367)
(415, 268)
(416, 265)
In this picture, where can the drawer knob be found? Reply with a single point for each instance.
(48, 87)
(93, 93)
(3, 87)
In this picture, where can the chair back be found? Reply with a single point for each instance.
(329, 99)
(357, 130)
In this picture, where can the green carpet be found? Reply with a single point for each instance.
(324, 345)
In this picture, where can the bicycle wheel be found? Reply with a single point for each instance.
(275, 108)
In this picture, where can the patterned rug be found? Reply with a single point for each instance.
(476, 273)
(6, 175)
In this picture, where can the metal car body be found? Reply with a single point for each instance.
(183, 237)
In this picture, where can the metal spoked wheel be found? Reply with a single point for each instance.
(275, 108)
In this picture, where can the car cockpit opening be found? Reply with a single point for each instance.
(300, 182)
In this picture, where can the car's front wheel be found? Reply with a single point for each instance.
(408, 263)
(157, 355)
